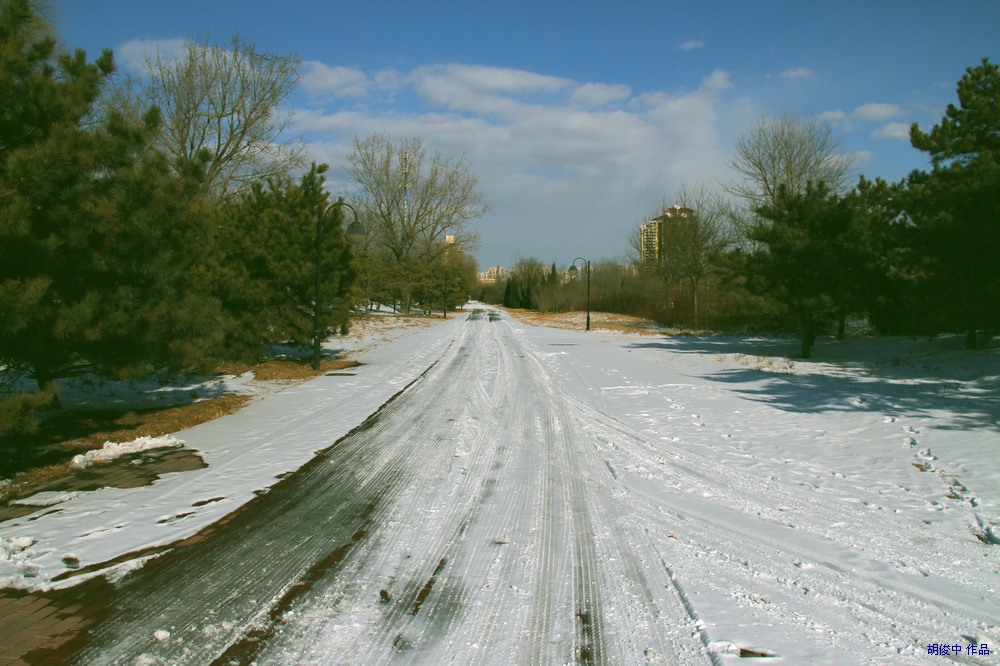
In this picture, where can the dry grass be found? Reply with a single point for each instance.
(61, 437)
(598, 321)
(41, 460)
(285, 369)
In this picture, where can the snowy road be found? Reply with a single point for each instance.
(502, 509)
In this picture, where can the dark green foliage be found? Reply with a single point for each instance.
(18, 412)
(804, 263)
(956, 207)
(102, 248)
(523, 284)
(268, 268)
(969, 133)
(888, 282)
(918, 257)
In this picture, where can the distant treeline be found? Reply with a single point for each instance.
(795, 246)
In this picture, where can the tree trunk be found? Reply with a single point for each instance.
(43, 376)
(970, 339)
(694, 293)
(841, 322)
(808, 335)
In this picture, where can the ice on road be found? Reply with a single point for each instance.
(545, 497)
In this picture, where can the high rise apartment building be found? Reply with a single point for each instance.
(654, 234)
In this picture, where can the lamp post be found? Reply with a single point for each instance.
(354, 234)
(445, 309)
(449, 243)
(573, 271)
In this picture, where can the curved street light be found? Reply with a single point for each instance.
(355, 234)
(573, 272)
(449, 244)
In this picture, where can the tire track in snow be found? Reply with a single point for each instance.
(569, 507)
(743, 537)
(651, 618)
(470, 521)
(420, 585)
(215, 593)
(510, 559)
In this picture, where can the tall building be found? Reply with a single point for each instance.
(651, 247)
(655, 236)
(493, 275)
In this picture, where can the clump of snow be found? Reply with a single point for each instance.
(161, 634)
(112, 450)
(14, 567)
(9, 547)
(723, 647)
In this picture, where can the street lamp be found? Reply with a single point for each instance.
(449, 243)
(572, 272)
(355, 233)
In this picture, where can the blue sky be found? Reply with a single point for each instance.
(579, 118)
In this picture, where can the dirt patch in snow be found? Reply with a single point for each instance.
(41, 461)
(287, 370)
(607, 321)
(131, 471)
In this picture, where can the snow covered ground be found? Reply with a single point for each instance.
(705, 498)
(85, 392)
(269, 439)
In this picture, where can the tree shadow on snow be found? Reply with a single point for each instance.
(939, 380)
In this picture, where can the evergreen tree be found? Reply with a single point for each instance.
(523, 283)
(799, 265)
(101, 253)
(957, 206)
(267, 279)
(888, 279)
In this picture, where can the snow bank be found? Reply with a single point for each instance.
(112, 450)
(246, 452)
(14, 566)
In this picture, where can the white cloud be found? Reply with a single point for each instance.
(898, 131)
(875, 112)
(598, 94)
(832, 116)
(319, 80)
(481, 89)
(717, 81)
(861, 158)
(551, 154)
(798, 73)
(691, 45)
(389, 80)
(132, 55)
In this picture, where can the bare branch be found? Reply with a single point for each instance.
(784, 151)
(225, 101)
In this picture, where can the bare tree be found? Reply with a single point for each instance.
(783, 151)
(223, 103)
(414, 206)
(693, 243)
(634, 251)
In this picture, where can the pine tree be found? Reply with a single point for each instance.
(102, 254)
(957, 205)
(800, 265)
(886, 281)
(267, 282)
